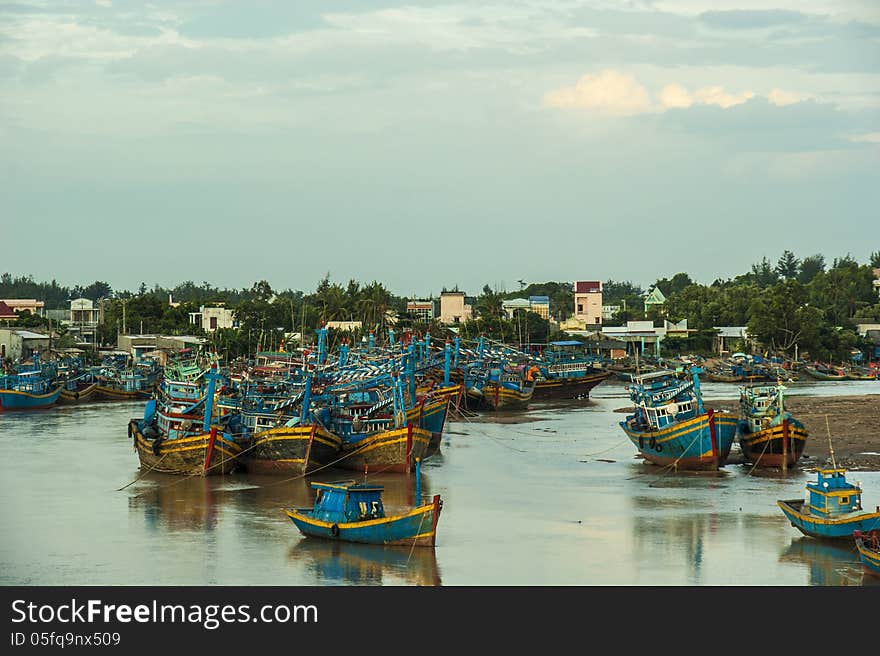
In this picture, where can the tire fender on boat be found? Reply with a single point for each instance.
(334, 530)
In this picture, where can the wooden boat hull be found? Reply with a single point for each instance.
(840, 527)
(701, 443)
(111, 394)
(14, 400)
(496, 397)
(569, 388)
(776, 446)
(416, 527)
(392, 450)
(191, 455)
(431, 416)
(868, 546)
(821, 375)
(87, 393)
(299, 450)
(721, 378)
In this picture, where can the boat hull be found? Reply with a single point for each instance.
(190, 455)
(701, 443)
(835, 528)
(868, 546)
(820, 375)
(776, 446)
(299, 450)
(496, 397)
(87, 393)
(569, 388)
(392, 450)
(111, 394)
(11, 400)
(417, 527)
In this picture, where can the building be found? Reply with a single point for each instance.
(84, 321)
(653, 298)
(19, 344)
(608, 312)
(641, 336)
(7, 314)
(540, 305)
(877, 280)
(32, 305)
(679, 330)
(728, 336)
(588, 302)
(424, 310)
(210, 318)
(159, 346)
(510, 306)
(454, 308)
(346, 326)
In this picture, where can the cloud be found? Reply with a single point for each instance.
(675, 96)
(747, 19)
(607, 92)
(870, 137)
(718, 96)
(782, 98)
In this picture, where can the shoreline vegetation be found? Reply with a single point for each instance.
(854, 423)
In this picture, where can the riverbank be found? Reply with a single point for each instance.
(853, 422)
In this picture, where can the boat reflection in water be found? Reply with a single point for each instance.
(350, 563)
(829, 563)
(172, 503)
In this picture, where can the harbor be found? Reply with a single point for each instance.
(551, 495)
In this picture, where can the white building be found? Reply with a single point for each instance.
(210, 318)
(454, 308)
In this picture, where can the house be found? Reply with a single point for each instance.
(210, 318)
(454, 308)
(653, 298)
(346, 326)
(540, 305)
(84, 320)
(588, 302)
(18, 344)
(608, 312)
(637, 334)
(7, 313)
(32, 305)
(510, 306)
(876, 282)
(424, 310)
(729, 335)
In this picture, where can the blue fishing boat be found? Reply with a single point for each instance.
(868, 546)
(671, 427)
(566, 371)
(769, 435)
(832, 509)
(31, 389)
(354, 512)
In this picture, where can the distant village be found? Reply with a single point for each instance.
(632, 325)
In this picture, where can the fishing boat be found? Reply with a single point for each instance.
(565, 371)
(824, 373)
(181, 436)
(859, 374)
(769, 436)
(353, 512)
(671, 427)
(30, 389)
(868, 546)
(832, 507)
(500, 387)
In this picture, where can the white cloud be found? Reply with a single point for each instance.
(870, 137)
(675, 95)
(782, 98)
(716, 95)
(608, 92)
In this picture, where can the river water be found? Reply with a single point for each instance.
(555, 497)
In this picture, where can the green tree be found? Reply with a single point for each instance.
(781, 317)
(811, 266)
(764, 274)
(787, 266)
(874, 259)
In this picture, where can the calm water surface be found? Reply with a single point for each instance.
(557, 498)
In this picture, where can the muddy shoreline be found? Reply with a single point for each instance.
(853, 423)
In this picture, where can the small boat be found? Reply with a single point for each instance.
(769, 435)
(832, 509)
(500, 387)
(824, 373)
(868, 546)
(566, 371)
(353, 512)
(671, 427)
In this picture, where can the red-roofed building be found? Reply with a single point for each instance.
(7, 313)
(588, 302)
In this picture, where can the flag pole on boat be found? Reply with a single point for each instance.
(830, 447)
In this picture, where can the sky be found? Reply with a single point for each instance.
(433, 144)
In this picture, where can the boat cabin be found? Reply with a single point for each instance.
(347, 502)
(832, 494)
(665, 415)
